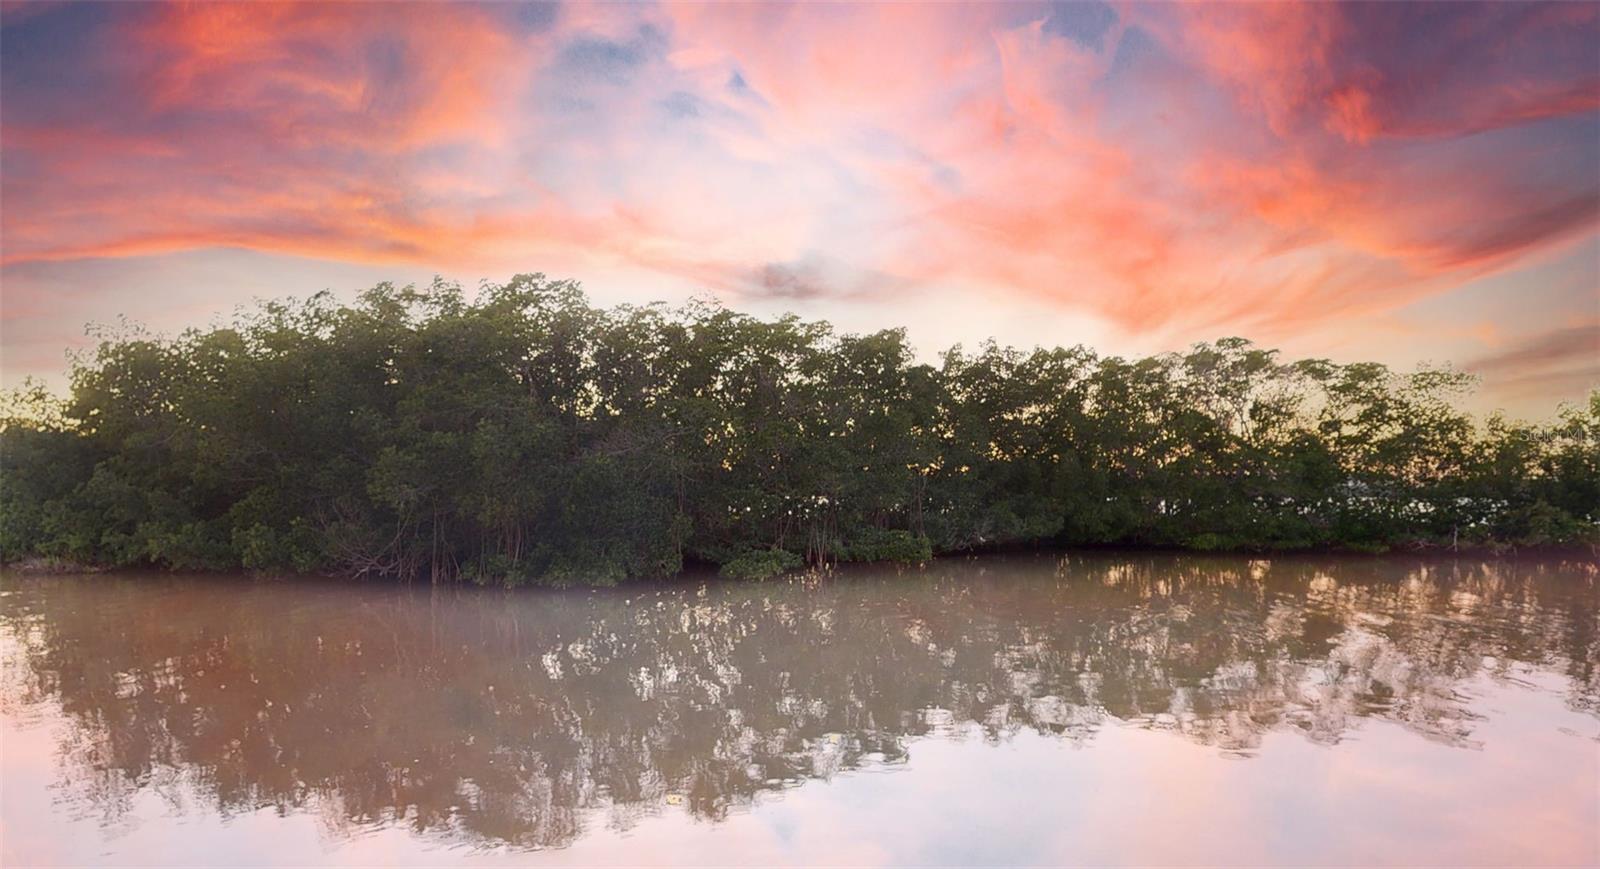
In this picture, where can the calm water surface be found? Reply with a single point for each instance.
(1124, 709)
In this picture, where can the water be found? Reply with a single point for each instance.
(1122, 709)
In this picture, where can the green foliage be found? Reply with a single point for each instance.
(1209, 542)
(878, 544)
(521, 436)
(758, 564)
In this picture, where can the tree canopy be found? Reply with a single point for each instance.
(523, 435)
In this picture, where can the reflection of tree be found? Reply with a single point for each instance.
(508, 718)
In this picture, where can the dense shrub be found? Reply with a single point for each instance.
(523, 436)
(761, 564)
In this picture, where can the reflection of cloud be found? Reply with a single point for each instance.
(529, 716)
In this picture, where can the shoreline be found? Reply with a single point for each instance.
(44, 567)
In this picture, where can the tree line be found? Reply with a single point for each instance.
(522, 435)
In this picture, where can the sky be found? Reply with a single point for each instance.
(1407, 183)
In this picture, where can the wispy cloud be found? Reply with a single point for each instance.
(1265, 168)
(1564, 359)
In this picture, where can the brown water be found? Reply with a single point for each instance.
(1122, 709)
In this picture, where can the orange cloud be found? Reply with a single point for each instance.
(1167, 168)
(271, 126)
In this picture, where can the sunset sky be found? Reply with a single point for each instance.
(1384, 181)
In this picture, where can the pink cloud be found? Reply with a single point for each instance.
(1565, 359)
(1239, 167)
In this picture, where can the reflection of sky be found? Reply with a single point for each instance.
(1210, 710)
(1404, 182)
(1529, 796)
